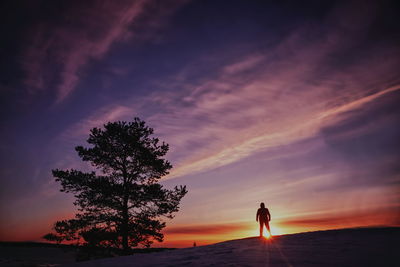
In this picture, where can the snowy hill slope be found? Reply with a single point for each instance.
(348, 247)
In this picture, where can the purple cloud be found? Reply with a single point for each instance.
(85, 32)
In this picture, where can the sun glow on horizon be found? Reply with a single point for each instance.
(274, 228)
(267, 235)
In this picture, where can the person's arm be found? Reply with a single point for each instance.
(258, 213)
(269, 215)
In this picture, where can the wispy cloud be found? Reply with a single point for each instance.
(303, 127)
(59, 53)
(359, 102)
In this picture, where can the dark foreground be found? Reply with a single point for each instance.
(347, 247)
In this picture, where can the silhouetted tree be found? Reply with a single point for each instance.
(122, 206)
(53, 238)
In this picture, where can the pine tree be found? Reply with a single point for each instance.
(121, 204)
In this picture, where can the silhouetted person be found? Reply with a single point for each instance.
(263, 217)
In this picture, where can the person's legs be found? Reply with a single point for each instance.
(261, 228)
(267, 226)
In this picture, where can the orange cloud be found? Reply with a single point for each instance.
(212, 229)
(386, 217)
(202, 234)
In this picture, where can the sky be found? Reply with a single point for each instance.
(292, 104)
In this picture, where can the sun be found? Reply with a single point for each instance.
(275, 230)
(267, 235)
(254, 230)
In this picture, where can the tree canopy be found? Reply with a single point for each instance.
(120, 204)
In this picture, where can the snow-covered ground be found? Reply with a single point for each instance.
(347, 247)
(350, 247)
(28, 256)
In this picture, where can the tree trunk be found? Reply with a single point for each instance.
(124, 228)
(125, 214)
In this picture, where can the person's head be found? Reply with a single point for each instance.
(262, 205)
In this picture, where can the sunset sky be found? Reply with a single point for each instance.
(291, 103)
